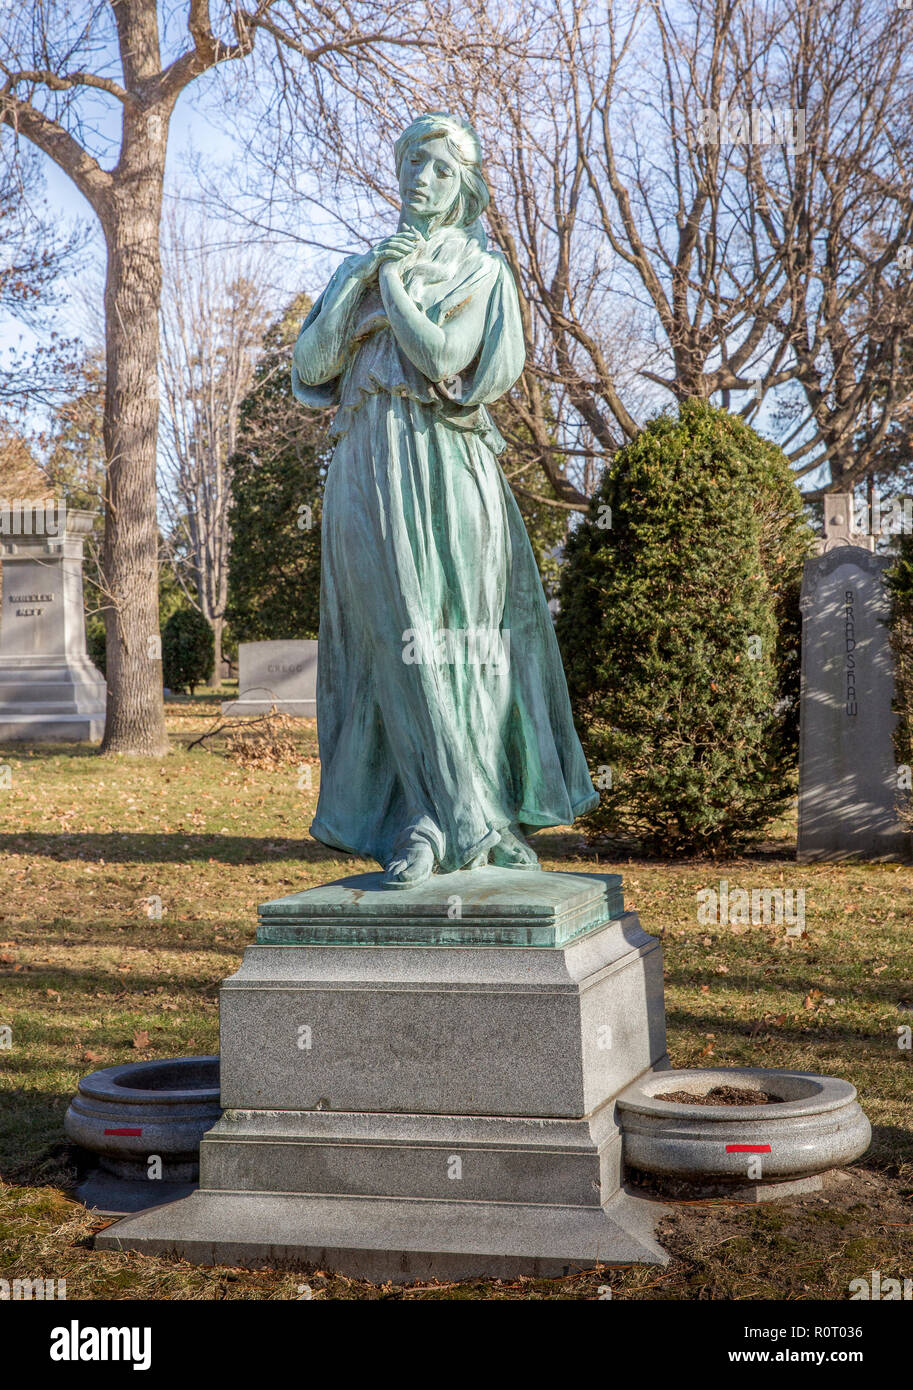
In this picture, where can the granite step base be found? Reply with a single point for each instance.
(394, 1240)
(51, 728)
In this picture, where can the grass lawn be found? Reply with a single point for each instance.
(91, 976)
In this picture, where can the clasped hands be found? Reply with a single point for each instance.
(382, 259)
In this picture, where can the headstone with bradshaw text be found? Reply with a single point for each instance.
(848, 779)
(49, 689)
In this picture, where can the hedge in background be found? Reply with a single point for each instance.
(277, 478)
(188, 650)
(679, 626)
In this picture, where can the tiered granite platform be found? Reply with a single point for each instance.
(421, 1083)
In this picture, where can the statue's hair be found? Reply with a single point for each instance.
(464, 146)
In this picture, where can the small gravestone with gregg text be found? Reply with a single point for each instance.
(281, 674)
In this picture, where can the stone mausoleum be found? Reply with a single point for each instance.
(49, 689)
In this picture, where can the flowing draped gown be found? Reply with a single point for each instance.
(447, 739)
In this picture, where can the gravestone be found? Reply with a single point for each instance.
(49, 689)
(848, 783)
(283, 674)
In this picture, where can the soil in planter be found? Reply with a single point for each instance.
(722, 1095)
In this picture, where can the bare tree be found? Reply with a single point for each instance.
(749, 188)
(21, 477)
(628, 243)
(837, 210)
(62, 63)
(33, 256)
(705, 199)
(216, 311)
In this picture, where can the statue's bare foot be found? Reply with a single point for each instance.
(513, 852)
(410, 866)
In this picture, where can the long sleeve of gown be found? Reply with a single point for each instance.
(320, 351)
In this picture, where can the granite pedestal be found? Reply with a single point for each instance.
(421, 1084)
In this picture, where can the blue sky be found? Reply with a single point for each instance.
(198, 128)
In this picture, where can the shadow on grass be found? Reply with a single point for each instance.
(891, 1146)
(85, 984)
(123, 847)
(176, 938)
(569, 844)
(36, 752)
(893, 993)
(34, 1150)
(809, 1033)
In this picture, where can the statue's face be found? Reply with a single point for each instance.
(429, 179)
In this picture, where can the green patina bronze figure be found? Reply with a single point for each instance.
(444, 722)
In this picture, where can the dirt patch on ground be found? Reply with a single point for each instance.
(721, 1095)
(798, 1248)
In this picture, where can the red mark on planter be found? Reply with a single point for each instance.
(748, 1148)
(127, 1133)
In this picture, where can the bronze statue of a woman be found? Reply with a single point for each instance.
(444, 722)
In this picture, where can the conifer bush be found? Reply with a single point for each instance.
(679, 626)
(188, 650)
(277, 480)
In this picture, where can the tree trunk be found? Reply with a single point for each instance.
(840, 462)
(136, 712)
(215, 679)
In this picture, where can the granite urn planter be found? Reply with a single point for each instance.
(753, 1151)
(125, 1115)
